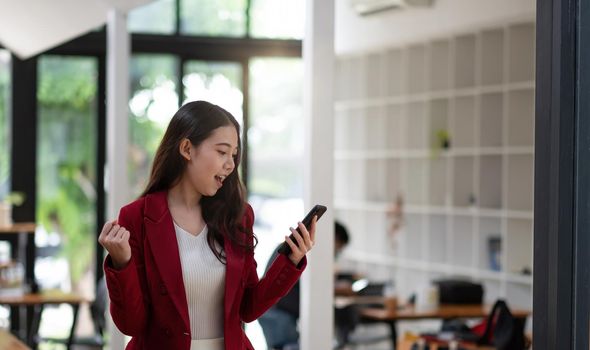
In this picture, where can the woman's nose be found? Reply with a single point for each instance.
(230, 164)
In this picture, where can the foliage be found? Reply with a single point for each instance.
(204, 17)
(66, 156)
(14, 198)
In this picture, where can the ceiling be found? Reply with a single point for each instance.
(29, 27)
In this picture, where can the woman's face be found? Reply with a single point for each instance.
(213, 160)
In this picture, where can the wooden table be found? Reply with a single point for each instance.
(358, 300)
(9, 341)
(406, 344)
(38, 302)
(443, 312)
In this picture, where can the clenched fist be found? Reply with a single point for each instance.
(115, 239)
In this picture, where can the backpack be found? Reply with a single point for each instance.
(501, 329)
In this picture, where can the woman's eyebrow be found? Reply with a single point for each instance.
(225, 144)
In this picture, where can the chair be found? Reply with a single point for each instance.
(97, 312)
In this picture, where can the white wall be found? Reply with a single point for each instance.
(355, 33)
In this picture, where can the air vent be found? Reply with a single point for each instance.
(369, 7)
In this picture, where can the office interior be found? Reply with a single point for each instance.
(433, 153)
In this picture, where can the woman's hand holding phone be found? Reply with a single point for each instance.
(301, 243)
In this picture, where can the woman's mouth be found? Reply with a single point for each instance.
(219, 179)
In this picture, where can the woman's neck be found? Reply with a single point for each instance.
(184, 195)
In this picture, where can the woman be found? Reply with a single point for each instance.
(180, 268)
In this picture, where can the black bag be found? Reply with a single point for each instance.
(507, 332)
(452, 291)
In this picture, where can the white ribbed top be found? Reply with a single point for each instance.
(204, 281)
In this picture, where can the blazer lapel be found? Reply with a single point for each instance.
(233, 274)
(159, 231)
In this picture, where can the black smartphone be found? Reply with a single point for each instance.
(317, 210)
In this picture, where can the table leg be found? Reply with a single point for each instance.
(75, 308)
(34, 330)
(30, 313)
(30, 254)
(393, 330)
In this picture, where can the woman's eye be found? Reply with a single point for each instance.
(222, 153)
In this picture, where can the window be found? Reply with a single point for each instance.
(275, 155)
(213, 18)
(66, 159)
(216, 82)
(277, 19)
(153, 102)
(158, 17)
(4, 122)
(226, 18)
(66, 180)
(276, 127)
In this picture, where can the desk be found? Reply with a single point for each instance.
(443, 312)
(38, 302)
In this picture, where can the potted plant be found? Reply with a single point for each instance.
(6, 204)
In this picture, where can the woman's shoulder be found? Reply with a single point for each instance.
(248, 216)
(136, 204)
(134, 208)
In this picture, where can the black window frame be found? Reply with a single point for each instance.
(562, 176)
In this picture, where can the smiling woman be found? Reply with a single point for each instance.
(191, 232)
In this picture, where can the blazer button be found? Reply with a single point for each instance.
(163, 290)
(167, 332)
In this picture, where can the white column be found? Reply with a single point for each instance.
(118, 54)
(317, 287)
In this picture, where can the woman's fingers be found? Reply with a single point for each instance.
(302, 241)
(113, 231)
(313, 226)
(291, 244)
(120, 233)
(106, 229)
(306, 236)
(299, 239)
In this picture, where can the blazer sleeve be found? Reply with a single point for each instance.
(127, 286)
(261, 294)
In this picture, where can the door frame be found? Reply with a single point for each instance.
(562, 176)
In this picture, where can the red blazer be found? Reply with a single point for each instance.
(148, 300)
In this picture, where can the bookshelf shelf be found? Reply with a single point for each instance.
(447, 125)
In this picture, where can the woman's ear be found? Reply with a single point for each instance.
(185, 149)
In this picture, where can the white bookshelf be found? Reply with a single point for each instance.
(390, 106)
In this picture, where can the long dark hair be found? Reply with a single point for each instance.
(222, 212)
